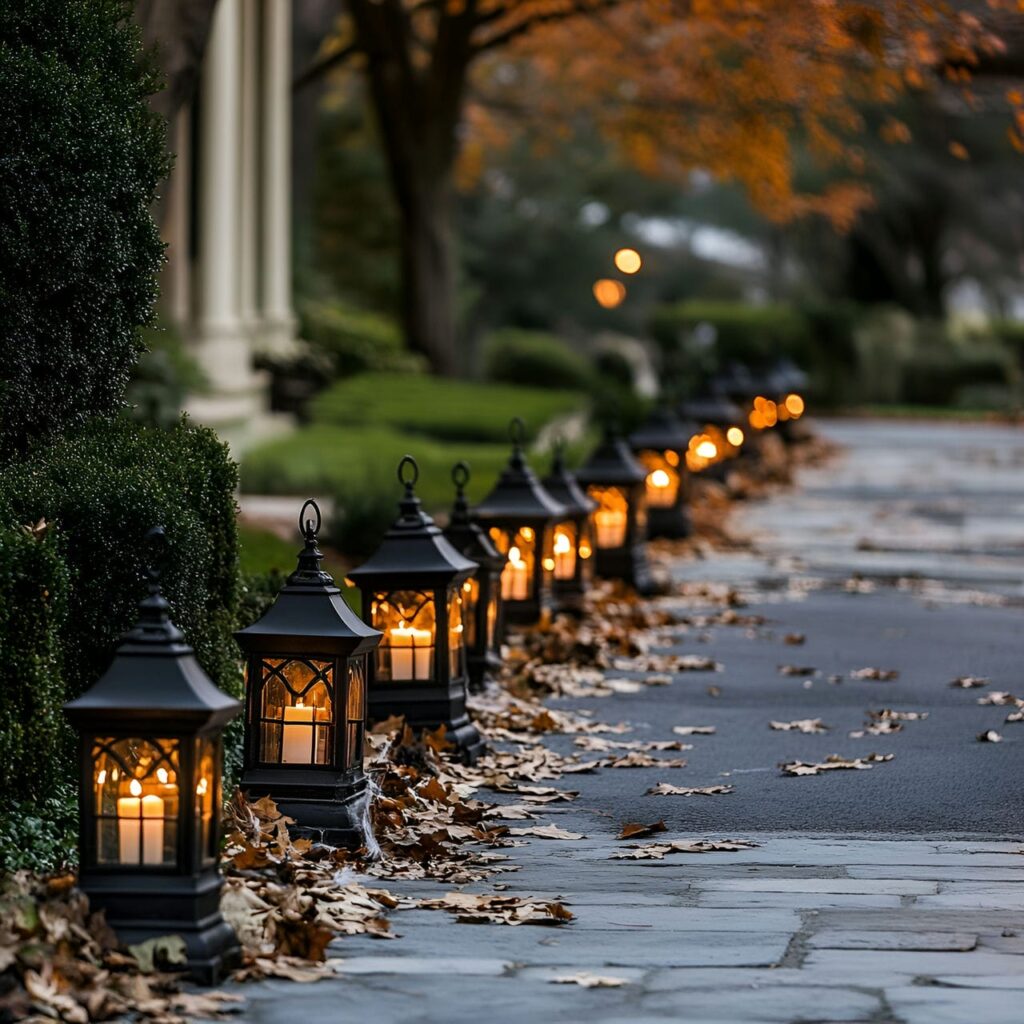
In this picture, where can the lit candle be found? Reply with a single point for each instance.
(515, 577)
(410, 652)
(611, 527)
(297, 744)
(565, 556)
(140, 815)
(660, 492)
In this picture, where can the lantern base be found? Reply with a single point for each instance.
(570, 599)
(628, 564)
(429, 708)
(526, 613)
(672, 523)
(140, 907)
(327, 806)
(483, 671)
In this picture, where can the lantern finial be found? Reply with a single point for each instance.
(460, 477)
(408, 475)
(154, 625)
(310, 557)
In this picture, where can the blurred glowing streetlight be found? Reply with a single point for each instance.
(628, 261)
(609, 293)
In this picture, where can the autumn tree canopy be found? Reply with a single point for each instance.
(731, 86)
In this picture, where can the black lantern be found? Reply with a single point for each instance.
(660, 445)
(150, 790)
(306, 685)
(520, 515)
(721, 434)
(412, 592)
(572, 546)
(481, 594)
(616, 482)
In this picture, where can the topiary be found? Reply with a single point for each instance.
(536, 359)
(81, 158)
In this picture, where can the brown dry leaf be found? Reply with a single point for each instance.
(658, 851)
(808, 725)
(667, 789)
(1015, 716)
(794, 639)
(638, 759)
(545, 832)
(834, 762)
(968, 682)
(884, 675)
(883, 727)
(714, 691)
(635, 830)
(497, 908)
(989, 736)
(887, 714)
(598, 744)
(1000, 698)
(694, 730)
(585, 980)
(797, 670)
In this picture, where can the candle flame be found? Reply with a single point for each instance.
(707, 449)
(563, 544)
(794, 406)
(527, 533)
(659, 478)
(734, 436)
(548, 563)
(201, 787)
(161, 774)
(101, 777)
(513, 556)
(135, 787)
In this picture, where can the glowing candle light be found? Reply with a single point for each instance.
(297, 743)
(660, 492)
(411, 650)
(140, 816)
(515, 577)
(611, 527)
(565, 556)
(707, 449)
(734, 436)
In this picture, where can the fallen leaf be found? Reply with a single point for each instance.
(694, 730)
(1000, 698)
(545, 832)
(797, 670)
(794, 639)
(989, 736)
(634, 830)
(585, 980)
(833, 763)
(657, 851)
(808, 725)
(968, 682)
(885, 675)
(667, 789)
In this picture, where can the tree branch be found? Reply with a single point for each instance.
(321, 66)
(550, 18)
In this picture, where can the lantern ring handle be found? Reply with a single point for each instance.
(517, 430)
(460, 474)
(408, 460)
(156, 545)
(306, 527)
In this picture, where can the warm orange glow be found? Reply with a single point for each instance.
(707, 449)
(659, 478)
(795, 406)
(764, 414)
(734, 436)
(611, 517)
(672, 458)
(628, 261)
(609, 293)
(564, 562)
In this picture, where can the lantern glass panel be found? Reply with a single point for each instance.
(456, 634)
(564, 551)
(663, 478)
(355, 710)
(470, 597)
(492, 618)
(207, 797)
(407, 618)
(135, 785)
(520, 547)
(611, 517)
(296, 711)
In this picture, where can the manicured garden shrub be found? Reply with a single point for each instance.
(535, 359)
(101, 488)
(79, 163)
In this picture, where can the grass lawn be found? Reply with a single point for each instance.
(364, 425)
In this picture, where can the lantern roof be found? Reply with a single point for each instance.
(309, 615)
(519, 494)
(787, 377)
(716, 410)
(463, 533)
(664, 430)
(414, 549)
(611, 463)
(737, 382)
(561, 484)
(154, 680)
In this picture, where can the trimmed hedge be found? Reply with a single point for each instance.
(535, 359)
(100, 489)
(81, 158)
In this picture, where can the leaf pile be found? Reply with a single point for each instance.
(834, 762)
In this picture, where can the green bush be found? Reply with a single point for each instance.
(162, 379)
(354, 340)
(101, 488)
(439, 408)
(34, 590)
(939, 376)
(82, 155)
(40, 834)
(535, 359)
(755, 335)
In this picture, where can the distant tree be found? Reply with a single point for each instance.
(723, 85)
(81, 157)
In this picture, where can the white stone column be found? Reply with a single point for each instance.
(276, 145)
(219, 340)
(248, 174)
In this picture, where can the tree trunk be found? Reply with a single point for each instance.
(428, 272)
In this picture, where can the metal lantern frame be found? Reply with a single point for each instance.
(484, 614)
(150, 754)
(570, 590)
(309, 646)
(612, 468)
(416, 559)
(520, 506)
(662, 441)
